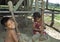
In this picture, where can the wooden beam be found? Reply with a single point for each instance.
(52, 19)
(46, 4)
(18, 4)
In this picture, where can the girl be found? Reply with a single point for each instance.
(38, 24)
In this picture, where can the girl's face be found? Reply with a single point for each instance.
(10, 24)
(38, 19)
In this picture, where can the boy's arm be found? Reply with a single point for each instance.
(14, 36)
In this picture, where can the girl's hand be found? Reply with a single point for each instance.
(41, 28)
(37, 29)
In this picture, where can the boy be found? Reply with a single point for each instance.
(11, 35)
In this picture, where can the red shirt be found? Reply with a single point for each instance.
(37, 25)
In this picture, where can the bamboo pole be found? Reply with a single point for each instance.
(10, 4)
(36, 5)
(42, 13)
(46, 4)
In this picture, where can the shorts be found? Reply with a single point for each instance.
(34, 31)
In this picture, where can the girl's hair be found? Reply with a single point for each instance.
(4, 20)
(36, 15)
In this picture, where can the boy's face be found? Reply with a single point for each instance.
(10, 24)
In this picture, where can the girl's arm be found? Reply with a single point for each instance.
(33, 25)
(41, 28)
(37, 29)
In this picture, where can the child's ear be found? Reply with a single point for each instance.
(5, 24)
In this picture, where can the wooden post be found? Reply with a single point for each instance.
(42, 13)
(30, 4)
(52, 20)
(36, 5)
(46, 4)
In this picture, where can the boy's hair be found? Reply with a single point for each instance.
(4, 20)
(36, 15)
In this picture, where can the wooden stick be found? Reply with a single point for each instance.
(10, 5)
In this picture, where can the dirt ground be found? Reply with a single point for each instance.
(27, 34)
(48, 21)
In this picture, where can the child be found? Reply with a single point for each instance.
(10, 30)
(38, 24)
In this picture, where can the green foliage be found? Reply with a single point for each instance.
(57, 17)
(54, 6)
